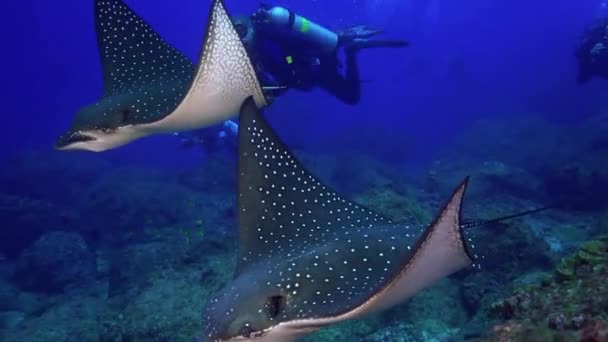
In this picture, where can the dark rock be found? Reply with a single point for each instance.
(131, 266)
(577, 186)
(10, 319)
(569, 304)
(26, 219)
(8, 296)
(56, 261)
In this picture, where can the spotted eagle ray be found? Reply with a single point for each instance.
(151, 87)
(309, 258)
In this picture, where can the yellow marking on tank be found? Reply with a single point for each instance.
(305, 25)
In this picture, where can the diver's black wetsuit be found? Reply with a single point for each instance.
(592, 52)
(292, 52)
(292, 66)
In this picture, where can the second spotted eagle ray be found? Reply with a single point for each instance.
(310, 258)
(151, 87)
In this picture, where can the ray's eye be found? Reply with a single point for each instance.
(246, 330)
(275, 305)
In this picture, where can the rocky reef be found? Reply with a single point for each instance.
(570, 304)
(132, 253)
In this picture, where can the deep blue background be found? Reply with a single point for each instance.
(468, 59)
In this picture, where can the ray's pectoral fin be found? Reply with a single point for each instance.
(280, 200)
(441, 251)
(225, 75)
(133, 54)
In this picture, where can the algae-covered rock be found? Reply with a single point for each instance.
(566, 270)
(10, 319)
(72, 319)
(54, 262)
(564, 307)
(396, 206)
(592, 256)
(169, 308)
(131, 266)
(596, 247)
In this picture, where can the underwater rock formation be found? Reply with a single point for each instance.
(492, 179)
(129, 204)
(54, 262)
(392, 203)
(569, 305)
(508, 138)
(26, 219)
(578, 186)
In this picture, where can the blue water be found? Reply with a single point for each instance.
(487, 87)
(468, 59)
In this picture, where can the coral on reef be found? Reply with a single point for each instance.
(125, 205)
(54, 262)
(397, 206)
(508, 250)
(70, 319)
(571, 304)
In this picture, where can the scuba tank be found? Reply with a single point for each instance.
(291, 25)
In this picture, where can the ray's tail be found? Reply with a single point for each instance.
(384, 43)
(466, 224)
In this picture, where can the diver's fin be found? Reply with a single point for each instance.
(476, 223)
(360, 31)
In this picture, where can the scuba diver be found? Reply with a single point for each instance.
(592, 52)
(212, 139)
(292, 52)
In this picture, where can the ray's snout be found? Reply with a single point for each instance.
(70, 138)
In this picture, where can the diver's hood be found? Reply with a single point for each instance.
(245, 28)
